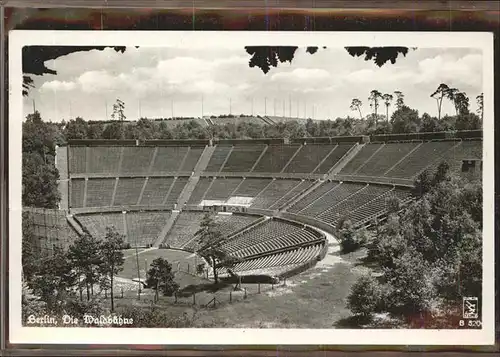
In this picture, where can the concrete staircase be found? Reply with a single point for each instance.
(168, 226)
(344, 160)
(205, 157)
(74, 224)
(187, 191)
(301, 196)
(193, 180)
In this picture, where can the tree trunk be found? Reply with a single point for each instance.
(112, 294)
(387, 113)
(88, 291)
(80, 286)
(216, 277)
(360, 115)
(440, 101)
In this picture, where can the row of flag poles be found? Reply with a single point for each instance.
(275, 111)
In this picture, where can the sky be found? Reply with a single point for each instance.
(156, 82)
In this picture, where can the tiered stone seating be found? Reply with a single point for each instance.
(218, 157)
(156, 190)
(275, 158)
(312, 196)
(222, 188)
(143, 228)
(332, 198)
(199, 191)
(169, 158)
(192, 159)
(176, 190)
(243, 157)
(128, 191)
(184, 229)
(136, 159)
(360, 158)
(385, 158)
(100, 192)
(275, 264)
(301, 187)
(308, 158)
(270, 230)
(77, 159)
(96, 224)
(274, 243)
(466, 150)
(77, 192)
(361, 197)
(333, 158)
(419, 159)
(103, 159)
(377, 206)
(228, 223)
(274, 192)
(251, 187)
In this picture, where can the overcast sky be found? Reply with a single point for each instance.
(153, 81)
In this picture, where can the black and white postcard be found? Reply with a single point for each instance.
(181, 188)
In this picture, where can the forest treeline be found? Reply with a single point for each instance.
(403, 120)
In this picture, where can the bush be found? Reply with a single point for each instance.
(351, 239)
(365, 297)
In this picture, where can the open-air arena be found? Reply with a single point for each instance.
(277, 202)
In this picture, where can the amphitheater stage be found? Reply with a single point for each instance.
(180, 260)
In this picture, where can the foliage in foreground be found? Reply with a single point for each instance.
(430, 255)
(53, 283)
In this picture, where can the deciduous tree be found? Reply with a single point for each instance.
(160, 276)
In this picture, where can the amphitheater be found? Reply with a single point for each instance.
(274, 198)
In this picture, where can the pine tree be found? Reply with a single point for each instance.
(112, 257)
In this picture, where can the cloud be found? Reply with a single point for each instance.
(57, 86)
(328, 80)
(301, 75)
(465, 70)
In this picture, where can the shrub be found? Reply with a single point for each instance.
(365, 297)
(350, 238)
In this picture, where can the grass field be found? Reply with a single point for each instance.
(313, 299)
(146, 257)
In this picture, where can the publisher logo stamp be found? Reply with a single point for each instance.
(470, 308)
